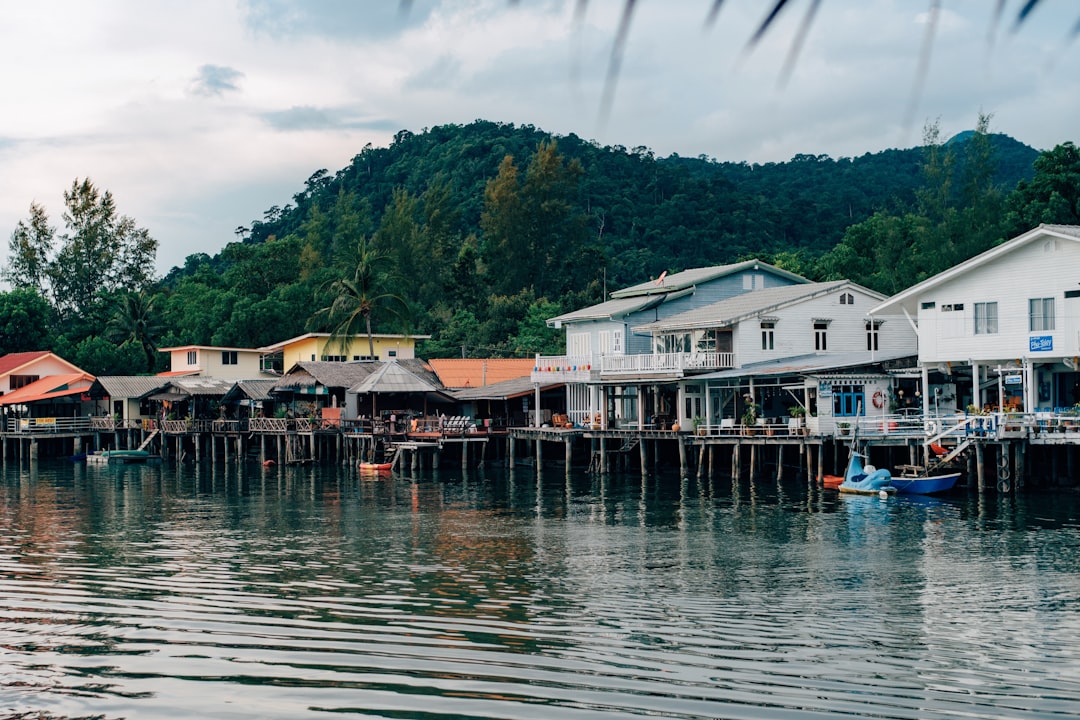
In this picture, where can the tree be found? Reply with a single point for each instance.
(356, 300)
(29, 250)
(1053, 194)
(100, 252)
(134, 324)
(25, 321)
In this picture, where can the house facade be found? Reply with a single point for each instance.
(228, 363)
(1003, 328)
(603, 348)
(19, 369)
(788, 334)
(322, 347)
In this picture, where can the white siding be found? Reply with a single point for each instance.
(794, 333)
(1041, 269)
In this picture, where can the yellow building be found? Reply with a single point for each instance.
(319, 347)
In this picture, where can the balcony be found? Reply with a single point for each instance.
(564, 368)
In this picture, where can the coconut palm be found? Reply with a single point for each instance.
(134, 322)
(358, 299)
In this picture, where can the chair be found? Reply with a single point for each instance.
(727, 426)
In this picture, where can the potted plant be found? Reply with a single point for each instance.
(798, 414)
(699, 425)
(843, 427)
(750, 418)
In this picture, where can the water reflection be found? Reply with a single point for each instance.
(144, 591)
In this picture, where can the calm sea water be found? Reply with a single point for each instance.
(157, 592)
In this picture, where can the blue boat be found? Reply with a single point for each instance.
(925, 485)
(865, 480)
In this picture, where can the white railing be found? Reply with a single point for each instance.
(562, 368)
(47, 425)
(665, 362)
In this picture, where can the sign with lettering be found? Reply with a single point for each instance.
(1014, 379)
(1041, 343)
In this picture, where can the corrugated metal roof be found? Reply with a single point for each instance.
(201, 385)
(393, 378)
(696, 276)
(52, 386)
(126, 386)
(502, 391)
(808, 364)
(250, 389)
(749, 304)
(327, 374)
(12, 361)
(609, 309)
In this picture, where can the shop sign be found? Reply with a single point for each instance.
(1041, 343)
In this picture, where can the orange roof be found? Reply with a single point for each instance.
(52, 386)
(177, 373)
(12, 361)
(480, 372)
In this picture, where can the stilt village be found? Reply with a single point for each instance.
(733, 369)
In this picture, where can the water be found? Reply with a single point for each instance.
(153, 592)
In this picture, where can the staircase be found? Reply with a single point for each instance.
(149, 439)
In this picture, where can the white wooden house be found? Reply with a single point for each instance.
(602, 349)
(783, 334)
(1002, 328)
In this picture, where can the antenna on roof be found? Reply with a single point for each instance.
(660, 280)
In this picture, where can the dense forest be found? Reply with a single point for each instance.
(476, 234)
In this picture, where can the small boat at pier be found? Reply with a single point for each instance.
(104, 457)
(865, 479)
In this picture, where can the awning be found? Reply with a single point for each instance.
(170, 396)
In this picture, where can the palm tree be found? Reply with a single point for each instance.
(134, 323)
(356, 300)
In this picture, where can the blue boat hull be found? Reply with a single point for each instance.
(925, 485)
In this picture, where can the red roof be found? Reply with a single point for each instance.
(49, 387)
(177, 373)
(12, 361)
(480, 372)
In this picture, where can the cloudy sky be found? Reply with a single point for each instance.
(198, 115)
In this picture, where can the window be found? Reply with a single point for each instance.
(18, 381)
(952, 320)
(193, 357)
(603, 342)
(872, 328)
(768, 330)
(821, 340)
(335, 358)
(929, 305)
(849, 400)
(1040, 314)
(577, 344)
(986, 318)
(228, 357)
(391, 353)
(847, 299)
(753, 281)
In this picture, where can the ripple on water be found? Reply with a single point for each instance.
(444, 599)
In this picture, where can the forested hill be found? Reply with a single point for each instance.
(644, 214)
(476, 234)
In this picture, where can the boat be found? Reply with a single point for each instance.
(103, 457)
(375, 468)
(925, 484)
(865, 479)
(832, 482)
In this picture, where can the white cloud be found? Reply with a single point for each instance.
(200, 115)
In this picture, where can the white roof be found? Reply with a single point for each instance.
(749, 304)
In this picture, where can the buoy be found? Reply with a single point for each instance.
(883, 495)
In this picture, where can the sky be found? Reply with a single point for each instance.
(199, 115)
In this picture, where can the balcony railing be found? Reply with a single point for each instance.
(665, 363)
(568, 368)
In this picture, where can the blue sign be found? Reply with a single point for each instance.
(1041, 343)
(1014, 379)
